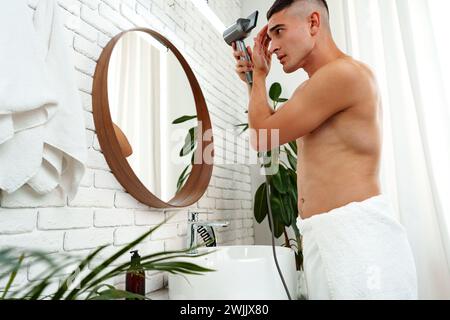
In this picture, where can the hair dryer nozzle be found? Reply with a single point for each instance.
(237, 33)
(241, 29)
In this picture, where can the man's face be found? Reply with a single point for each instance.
(291, 39)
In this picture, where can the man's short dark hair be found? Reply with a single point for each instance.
(280, 5)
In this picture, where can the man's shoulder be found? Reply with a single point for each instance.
(347, 67)
(358, 71)
(343, 68)
(356, 75)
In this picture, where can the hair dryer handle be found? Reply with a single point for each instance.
(241, 47)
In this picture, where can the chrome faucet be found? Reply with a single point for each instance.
(204, 228)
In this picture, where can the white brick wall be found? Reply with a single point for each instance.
(102, 213)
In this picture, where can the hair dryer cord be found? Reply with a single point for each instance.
(273, 238)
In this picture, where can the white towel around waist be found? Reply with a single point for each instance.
(363, 250)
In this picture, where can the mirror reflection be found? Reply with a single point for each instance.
(153, 110)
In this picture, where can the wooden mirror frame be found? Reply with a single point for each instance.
(200, 177)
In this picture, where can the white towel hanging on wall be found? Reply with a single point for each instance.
(26, 96)
(27, 99)
(64, 152)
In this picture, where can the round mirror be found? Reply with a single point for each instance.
(152, 121)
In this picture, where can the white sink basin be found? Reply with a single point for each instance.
(243, 273)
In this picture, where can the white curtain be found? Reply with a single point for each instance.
(135, 94)
(406, 44)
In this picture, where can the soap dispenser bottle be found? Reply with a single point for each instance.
(135, 280)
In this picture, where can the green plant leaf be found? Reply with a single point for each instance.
(276, 204)
(245, 127)
(288, 215)
(294, 202)
(94, 280)
(12, 276)
(182, 182)
(275, 91)
(279, 180)
(115, 294)
(36, 293)
(83, 264)
(190, 142)
(184, 175)
(175, 267)
(293, 177)
(279, 204)
(183, 119)
(260, 208)
(293, 192)
(281, 100)
(147, 262)
(7, 257)
(52, 270)
(243, 130)
(96, 290)
(282, 206)
(292, 160)
(85, 282)
(278, 226)
(293, 146)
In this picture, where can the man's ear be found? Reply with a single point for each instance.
(315, 23)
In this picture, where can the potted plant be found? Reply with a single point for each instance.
(83, 283)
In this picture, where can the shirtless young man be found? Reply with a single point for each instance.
(336, 117)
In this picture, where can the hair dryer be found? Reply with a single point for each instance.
(238, 32)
